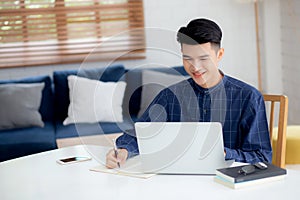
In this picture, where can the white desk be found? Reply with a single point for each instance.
(40, 177)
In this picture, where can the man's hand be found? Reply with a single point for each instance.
(112, 161)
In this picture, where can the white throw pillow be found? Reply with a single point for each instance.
(154, 82)
(94, 101)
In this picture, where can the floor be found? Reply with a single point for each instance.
(294, 167)
(103, 140)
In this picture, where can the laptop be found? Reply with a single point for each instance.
(180, 147)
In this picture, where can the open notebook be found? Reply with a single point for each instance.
(131, 168)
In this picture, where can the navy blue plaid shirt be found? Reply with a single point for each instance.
(238, 106)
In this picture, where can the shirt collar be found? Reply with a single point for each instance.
(217, 87)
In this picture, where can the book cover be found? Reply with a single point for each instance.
(232, 174)
(244, 184)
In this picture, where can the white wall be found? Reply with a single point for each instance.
(236, 20)
(290, 51)
(271, 47)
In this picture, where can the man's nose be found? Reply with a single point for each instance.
(195, 65)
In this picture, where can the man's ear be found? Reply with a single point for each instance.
(220, 54)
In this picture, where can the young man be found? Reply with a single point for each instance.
(209, 95)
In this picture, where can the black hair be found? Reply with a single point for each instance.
(200, 31)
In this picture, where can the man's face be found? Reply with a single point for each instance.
(201, 63)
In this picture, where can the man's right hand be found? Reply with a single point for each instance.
(112, 161)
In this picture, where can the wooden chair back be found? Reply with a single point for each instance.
(282, 126)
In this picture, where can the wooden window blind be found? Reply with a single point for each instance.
(39, 32)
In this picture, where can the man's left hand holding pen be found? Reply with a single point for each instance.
(116, 157)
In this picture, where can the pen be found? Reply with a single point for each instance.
(116, 152)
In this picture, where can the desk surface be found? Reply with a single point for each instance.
(40, 177)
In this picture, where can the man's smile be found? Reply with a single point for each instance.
(198, 74)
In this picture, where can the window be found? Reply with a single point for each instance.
(38, 32)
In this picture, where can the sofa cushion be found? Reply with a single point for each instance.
(46, 107)
(133, 93)
(153, 82)
(20, 104)
(94, 101)
(24, 141)
(61, 95)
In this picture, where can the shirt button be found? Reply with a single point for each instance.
(204, 111)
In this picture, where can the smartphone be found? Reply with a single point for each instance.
(74, 159)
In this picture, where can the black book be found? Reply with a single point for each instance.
(237, 175)
(244, 184)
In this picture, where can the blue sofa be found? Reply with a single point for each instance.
(54, 108)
